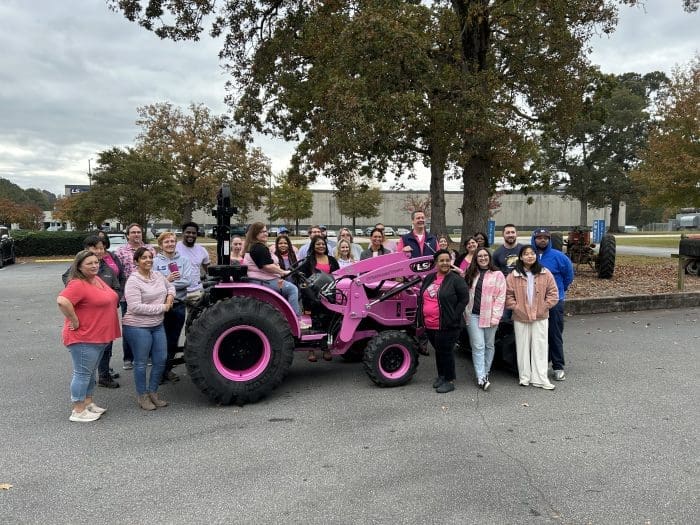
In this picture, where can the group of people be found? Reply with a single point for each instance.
(151, 288)
(525, 283)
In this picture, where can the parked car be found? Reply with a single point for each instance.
(273, 232)
(7, 247)
(368, 230)
(303, 233)
(116, 240)
(402, 231)
(331, 233)
(389, 231)
(359, 231)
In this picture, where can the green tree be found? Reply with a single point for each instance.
(358, 199)
(83, 210)
(203, 154)
(29, 216)
(131, 186)
(599, 149)
(292, 201)
(461, 85)
(670, 163)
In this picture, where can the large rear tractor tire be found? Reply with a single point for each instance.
(239, 350)
(391, 358)
(693, 267)
(605, 263)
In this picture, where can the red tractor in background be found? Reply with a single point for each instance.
(579, 248)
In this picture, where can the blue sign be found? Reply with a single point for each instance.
(598, 230)
(491, 232)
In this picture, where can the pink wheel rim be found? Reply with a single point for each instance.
(394, 361)
(242, 346)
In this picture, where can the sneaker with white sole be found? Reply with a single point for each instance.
(559, 375)
(128, 365)
(92, 407)
(83, 417)
(486, 384)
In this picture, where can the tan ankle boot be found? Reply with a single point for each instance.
(157, 401)
(145, 402)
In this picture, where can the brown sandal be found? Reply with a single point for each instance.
(312, 357)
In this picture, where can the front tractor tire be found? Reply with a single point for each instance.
(391, 358)
(605, 263)
(239, 350)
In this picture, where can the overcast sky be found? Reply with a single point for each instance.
(72, 74)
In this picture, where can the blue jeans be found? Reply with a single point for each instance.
(128, 354)
(556, 336)
(483, 347)
(85, 357)
(289, 291)
(144, 341)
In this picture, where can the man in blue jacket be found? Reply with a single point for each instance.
(563, 272)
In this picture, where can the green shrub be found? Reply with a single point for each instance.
(42, 243)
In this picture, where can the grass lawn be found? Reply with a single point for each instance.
(651, 242)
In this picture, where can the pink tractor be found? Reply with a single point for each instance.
(242, 336)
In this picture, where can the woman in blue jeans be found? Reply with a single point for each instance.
(148, 296)
(487, 297)
(91, 323)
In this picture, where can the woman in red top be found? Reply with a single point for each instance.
(91, 323)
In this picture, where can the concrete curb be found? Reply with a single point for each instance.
(630, 303)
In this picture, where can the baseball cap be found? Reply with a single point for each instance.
(541, 232)
(283, 229)
(322, 226)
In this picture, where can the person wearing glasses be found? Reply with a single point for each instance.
(487, 297)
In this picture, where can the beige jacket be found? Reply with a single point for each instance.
(546, 296)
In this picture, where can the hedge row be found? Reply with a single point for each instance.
(42, 243)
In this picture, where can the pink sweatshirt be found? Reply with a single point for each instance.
(145, 299)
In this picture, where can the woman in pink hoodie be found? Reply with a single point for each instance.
(487, 296)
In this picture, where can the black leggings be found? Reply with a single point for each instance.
(443, 341)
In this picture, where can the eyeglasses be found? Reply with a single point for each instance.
(263, 231)
(482, 257)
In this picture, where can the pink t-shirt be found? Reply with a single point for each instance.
(96, 308)
(464, 264)
(325, 268)
(431, 307)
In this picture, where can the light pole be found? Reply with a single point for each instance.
(269, 206)
(89, 173)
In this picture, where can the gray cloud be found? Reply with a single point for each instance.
(72, 74)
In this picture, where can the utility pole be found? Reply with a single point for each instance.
(89, 173)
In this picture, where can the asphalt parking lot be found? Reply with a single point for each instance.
(617, 442)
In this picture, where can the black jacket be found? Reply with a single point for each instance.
(453, 297)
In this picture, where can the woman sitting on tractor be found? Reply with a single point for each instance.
(318, 261)
(263, 270)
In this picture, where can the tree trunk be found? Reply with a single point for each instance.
(438, 222)
(583, 214)
(475, 198)
(614, 216)
(187, 210)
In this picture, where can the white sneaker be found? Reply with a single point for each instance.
(92, 407)
(83, 417)
(559, 375)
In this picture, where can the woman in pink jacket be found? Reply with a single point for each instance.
(531, 292)
(487, 296)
